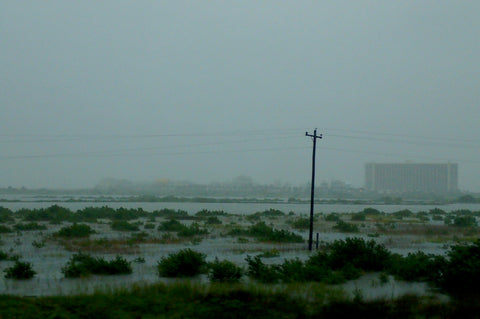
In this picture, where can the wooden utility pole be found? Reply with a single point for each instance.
(312, 197)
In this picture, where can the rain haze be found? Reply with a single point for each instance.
(206, 91)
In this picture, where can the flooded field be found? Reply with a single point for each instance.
(144, 247)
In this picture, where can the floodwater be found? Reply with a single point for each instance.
(48, 261)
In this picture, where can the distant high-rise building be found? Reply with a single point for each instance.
(411, 177)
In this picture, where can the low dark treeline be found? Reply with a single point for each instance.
(56, 213)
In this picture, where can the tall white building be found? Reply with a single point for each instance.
(411, 177)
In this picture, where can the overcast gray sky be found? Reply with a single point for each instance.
(209, 90)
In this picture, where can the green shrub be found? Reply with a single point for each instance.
(461, 273)
(261, 272)
(293, 270)
(4, 229)
(75, 231)
(210, 213)
(345, 227)
(20, 270)
(38, 244)
(54, 214)
(83, 265)
(403, 214)
(171, 225)
(464, 221)
(301, 223)
(123, 225)
(192, 230)
(417, 267)
(371, 211)
(170, 213)
(224, 271)
(333, 217)
(6, 215)
(149, 226)
(185, 263)
(361, 254)
(266, 233)
(359, 217)
(3, 255)
(271, 213)
(213, 220)
(29, 226)
(270, 253)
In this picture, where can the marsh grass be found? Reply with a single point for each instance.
(186, 299)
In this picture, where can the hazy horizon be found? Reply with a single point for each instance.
(207, 91)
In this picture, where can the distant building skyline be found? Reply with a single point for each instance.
(411, 177)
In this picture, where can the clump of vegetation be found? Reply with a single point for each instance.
(83, 265)
(300, 223)
(359, 216)
(149, 226)
(171, 213)
(3, 255)
(38, 244)
(464, 221)
(372, 211)
(213, 220)
(345, 227)
(224, 271)
(270, 253)
(6, 215)
(171, 225)
(182, 230)
(266, 233)
(460, 272)
(75, 231)
(405, 213)
(332, 217)
(342, 260)
(417, 266)
(262, 272)
(54, 214)
(365, 255)
(122, 225)
(20, 270)
(210, 213)
(4, 229)
(193, 230)
(185, 263)
(269, 213)
(29, 226)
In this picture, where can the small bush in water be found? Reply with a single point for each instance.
(185, 263)
(75, 231)
(20, 270)
(82, 265)
(224, 271)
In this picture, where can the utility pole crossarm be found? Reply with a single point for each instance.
(312, 195)
(314, 134)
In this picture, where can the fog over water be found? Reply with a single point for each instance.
(207, 91)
